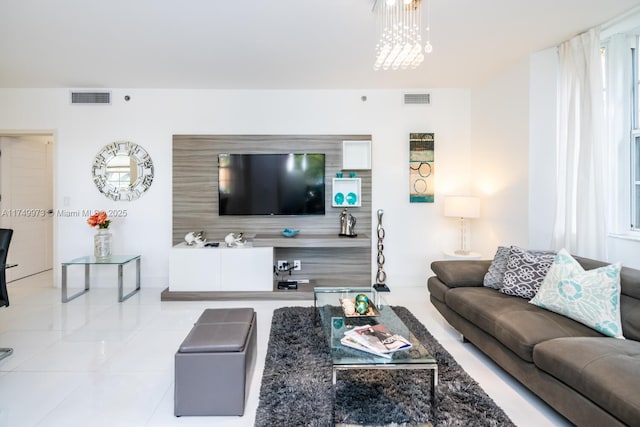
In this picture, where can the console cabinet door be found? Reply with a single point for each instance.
(194, 269)
(246, 269)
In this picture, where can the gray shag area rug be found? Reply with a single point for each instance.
(296, 385)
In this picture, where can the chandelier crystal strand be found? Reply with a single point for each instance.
(427, 47)
(400, 35)
(403, 41)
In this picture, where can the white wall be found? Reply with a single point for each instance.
(499, 160)
(543, 88)
(416, 234)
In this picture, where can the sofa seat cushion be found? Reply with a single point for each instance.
(514, 322)
(605, 370)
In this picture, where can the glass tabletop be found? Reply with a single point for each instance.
(113, 259)
(335, 323)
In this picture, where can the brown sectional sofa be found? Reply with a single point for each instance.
(590, 379)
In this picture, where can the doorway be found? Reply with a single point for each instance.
(26, 202)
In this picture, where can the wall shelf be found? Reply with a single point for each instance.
(356, 155)
(346, 192)
(311, 241)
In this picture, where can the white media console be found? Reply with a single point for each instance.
(250, 267)
(202, 269)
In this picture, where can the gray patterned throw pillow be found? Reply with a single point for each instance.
(525, 272)
(494, 276)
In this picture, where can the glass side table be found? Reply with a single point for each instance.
(88, 261)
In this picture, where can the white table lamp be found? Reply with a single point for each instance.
(462, 207)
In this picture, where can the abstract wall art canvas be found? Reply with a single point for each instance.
(421, 167)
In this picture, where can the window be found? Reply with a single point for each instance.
(635, 140)
(628, 181)
(635, 181)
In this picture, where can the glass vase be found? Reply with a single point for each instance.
(102, 243)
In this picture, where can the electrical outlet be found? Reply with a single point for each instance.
(297, 265)
(283, 264)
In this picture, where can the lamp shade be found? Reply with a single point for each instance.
(462, 206)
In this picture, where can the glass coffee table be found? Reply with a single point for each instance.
(334, 323)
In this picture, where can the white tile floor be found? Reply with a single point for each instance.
(94, 361)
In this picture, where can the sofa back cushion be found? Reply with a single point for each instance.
(629, 298)
(461, 273)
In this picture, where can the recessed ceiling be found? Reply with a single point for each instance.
(276, 44)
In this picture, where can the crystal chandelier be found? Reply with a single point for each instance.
(400, 34)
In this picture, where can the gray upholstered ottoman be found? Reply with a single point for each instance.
(214, 364)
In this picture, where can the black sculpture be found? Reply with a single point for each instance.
(381, 276)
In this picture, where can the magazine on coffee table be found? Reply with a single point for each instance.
(377, 338)
(350, 342)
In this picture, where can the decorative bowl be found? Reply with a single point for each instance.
(350, 308)
(287, 232)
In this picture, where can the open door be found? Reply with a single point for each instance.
(26, 202)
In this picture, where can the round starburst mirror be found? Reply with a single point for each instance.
(122, 170)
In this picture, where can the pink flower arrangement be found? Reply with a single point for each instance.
(99, 219)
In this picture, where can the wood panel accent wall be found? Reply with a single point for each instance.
(195, 201)
(329, 266)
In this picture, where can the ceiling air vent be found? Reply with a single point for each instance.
(417, 98)
(91, 98)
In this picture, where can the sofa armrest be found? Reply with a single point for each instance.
(461, 273)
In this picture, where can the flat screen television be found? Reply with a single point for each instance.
(271, 184)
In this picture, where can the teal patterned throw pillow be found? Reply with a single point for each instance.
(591, 297)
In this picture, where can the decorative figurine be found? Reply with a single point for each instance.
(362, 307)
(381, 276)
(362, 297)
(189, 238)
(195, 238)
(233, 239)
(347, 224)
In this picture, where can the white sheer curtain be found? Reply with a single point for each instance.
(618, 124)
(580, 224)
